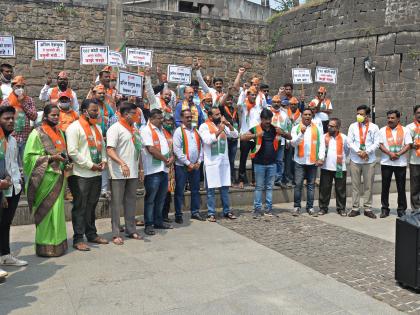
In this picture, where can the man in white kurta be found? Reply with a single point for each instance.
(214, 133)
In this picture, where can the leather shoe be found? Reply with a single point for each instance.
(197, 216)
(354, 213)
(99, 240)
(384, 213)
(179, 220)
(164, 226)
(400, 213)
(370, 214)
(322, 212)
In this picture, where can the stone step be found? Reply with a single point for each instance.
(238, 198)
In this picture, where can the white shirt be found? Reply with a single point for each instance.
(12, 167)
(78, 150)
(414, 159)
(150, 164)
(317, 120)
(298, 137)
(193, 150)
(6, 89)
(45, 94)
(372, 142)
(206, 88)
(385, 159)
(154, 100)
(330, 162)
(119, 138)
(285, 125)
(251, 119)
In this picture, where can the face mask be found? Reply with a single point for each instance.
(207, 107)
(19, 92)
(102, 98)
(217, 121)
(331, 131)
(360, 118)
(8, 77)
(62, 85)
(51, 123)
(64, 106)
(168, 128)
(92, 120)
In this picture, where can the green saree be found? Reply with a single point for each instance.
(45, 192)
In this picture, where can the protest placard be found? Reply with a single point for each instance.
(179, 74)
(7, 46)
(139, 57)
(130, 84)
(301, 76)
(50, 50)
(115, 59)
(94, 55)
(326, 75)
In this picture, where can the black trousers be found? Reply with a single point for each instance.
(415, 186)
(86, 192)
(6, 219)
(167, 205)
(246, 147)
(400, 176)
(325, 188)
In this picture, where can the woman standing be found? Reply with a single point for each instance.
(45, 160)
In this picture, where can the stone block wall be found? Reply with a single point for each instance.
(341, 33)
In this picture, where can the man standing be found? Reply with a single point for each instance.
(395, 141)
(187, 149)
(86, 147)
(25, 112)
(279, 120)
(324, 106)
(123, 148)
(266, 90)
(187, 103)
(216, 91)
(67, 113)
(213, 134)
(163, 101)
(267, 138)
(289, 165)
(11, 195)
(309, 154)
(363, 139)
(6, 76)
(52, 94)
(157, 159)
(334, 168)
(414, 129)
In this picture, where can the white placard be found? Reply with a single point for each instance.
(130, 84)
(301, 76)
(139, 57)
(50, 50)
(179, 74)
(94, 55)
(7, 46)
(326, 75)
(115, 59)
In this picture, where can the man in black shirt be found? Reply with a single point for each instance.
(267, 138)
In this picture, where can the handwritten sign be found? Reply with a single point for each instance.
(50, 50)
(94, 55)
(7, 46)
(139, 57)
(130, 84)
(326, 75)
(115, 59)
(179, 74)
(301, 76)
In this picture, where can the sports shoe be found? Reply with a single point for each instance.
(10, 260)
(296, 212)
(3, 273)
(312, 212)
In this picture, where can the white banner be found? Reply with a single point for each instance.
(115, 59)
(179, 74)
(130, 84)
(301, 76)
(326, 75)
(7, 46)
(94, 55)
(50, 50)
(139, 57)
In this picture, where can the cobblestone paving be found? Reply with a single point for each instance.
(363, 262)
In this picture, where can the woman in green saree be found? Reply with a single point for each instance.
(44, 161)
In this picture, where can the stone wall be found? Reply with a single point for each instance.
(341, 33)
(176, 38)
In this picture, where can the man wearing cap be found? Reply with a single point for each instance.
(52, 94)
(288, 92)
(67, 113)
(206, 104)
(324, 106)
(6, 75)
(104, 79)
(25, 112)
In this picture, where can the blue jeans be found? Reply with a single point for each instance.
(279, 164)
(264, 180)
(156, 187)
(181, 176)
(211, 200)
(232, 149)
(289, 166)
(303, 171)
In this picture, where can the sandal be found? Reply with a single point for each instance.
(117, 240)
(83, 247)
(230, 216)
(135, 236)
(211, 218)
(139, 222)
(241, 185)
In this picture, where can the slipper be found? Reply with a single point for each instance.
(139, 223)
(135, 236)
(83, 247)
(230, 216)
(211, 218)
(117, 240)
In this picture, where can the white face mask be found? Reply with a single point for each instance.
(19, 91)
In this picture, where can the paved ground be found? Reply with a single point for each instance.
(204, 268)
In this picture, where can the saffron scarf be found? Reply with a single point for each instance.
(295, 116)
(315, 139)
(95, 146)
(56, 137)
(339, 151)
(395, 144)
(135, 135)
(3, 144)
(20, 116)
(417, 137)
(258, 141)
(54, 95)
(185, 146)
(362, 136)
(219, 146)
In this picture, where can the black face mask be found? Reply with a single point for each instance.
(49, 122)
(8, 76)
(217, 121)
(62, 85)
